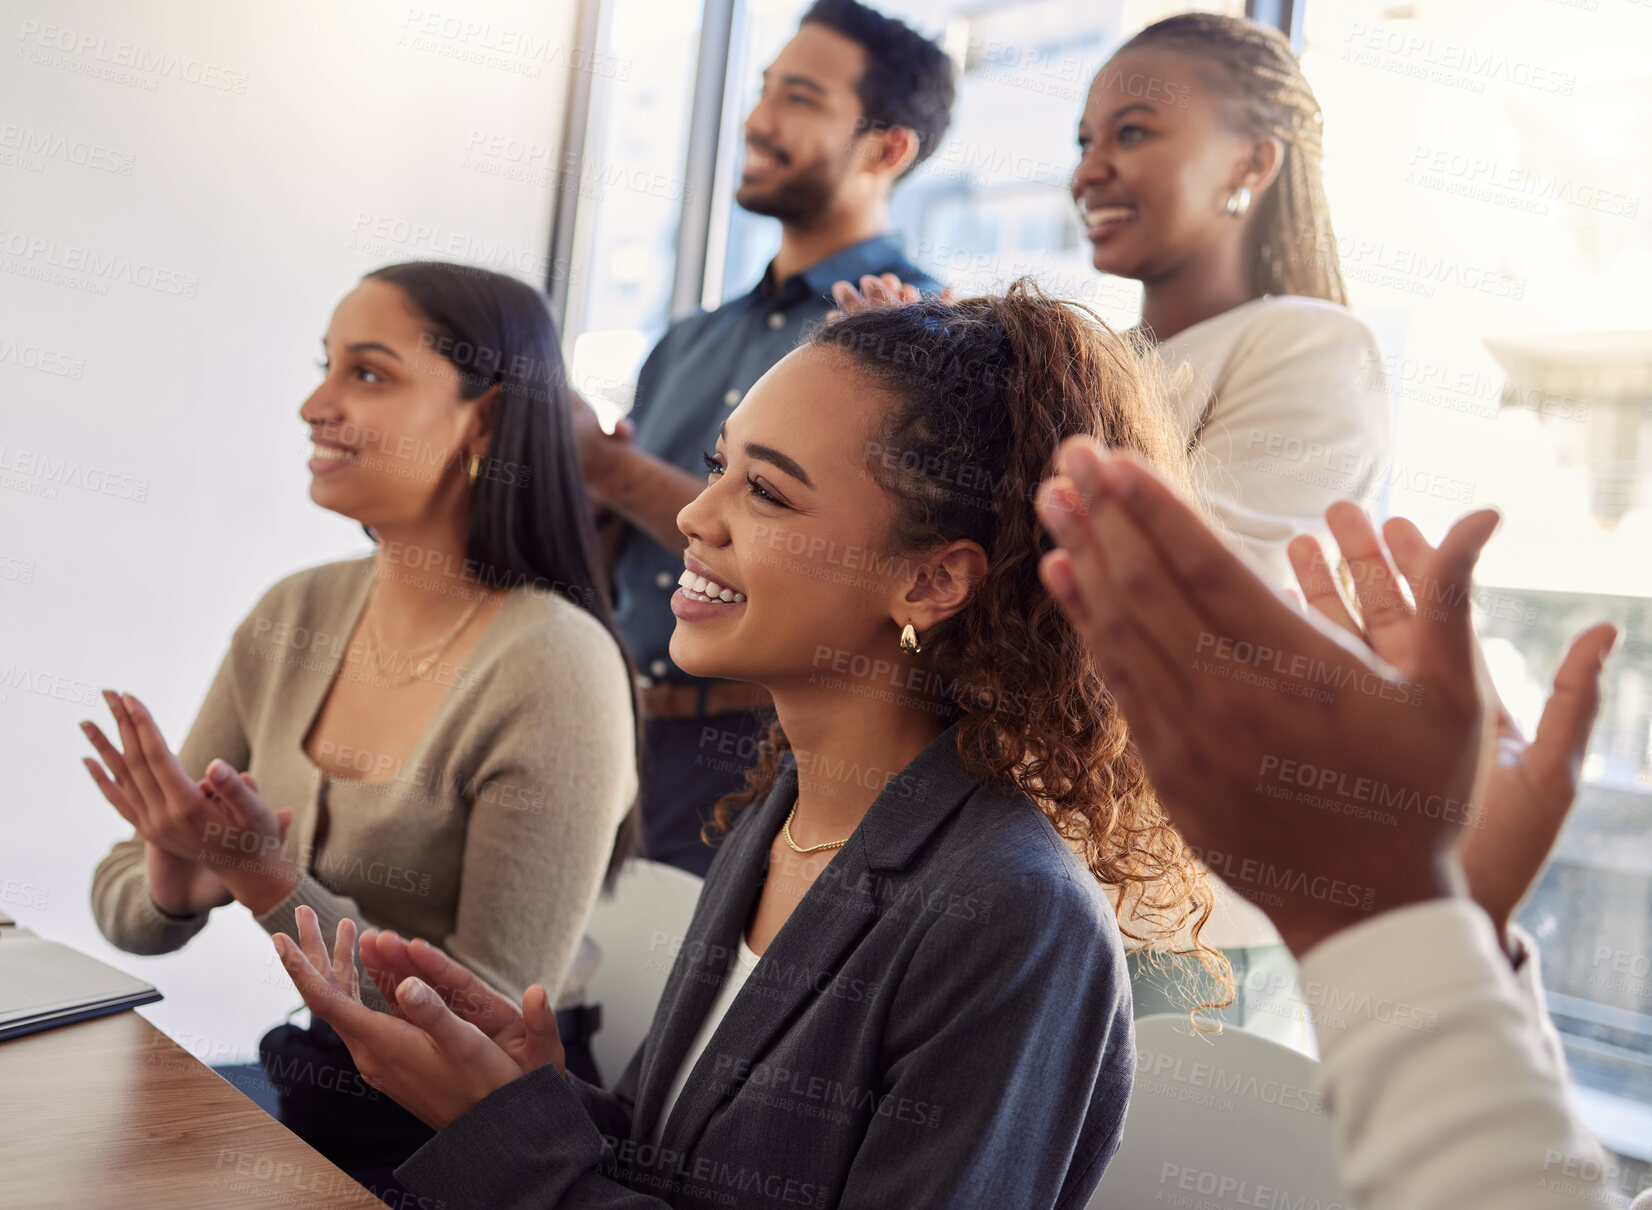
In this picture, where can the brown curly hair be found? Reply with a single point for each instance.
(982, 391)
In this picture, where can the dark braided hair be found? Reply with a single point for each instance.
(1250, 67)
(980, 394)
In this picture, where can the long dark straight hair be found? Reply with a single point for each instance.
(530, 520)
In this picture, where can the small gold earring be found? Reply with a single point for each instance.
(909, 640)
(475, 466)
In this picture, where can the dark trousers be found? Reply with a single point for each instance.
(323, 1099)
(687, 765)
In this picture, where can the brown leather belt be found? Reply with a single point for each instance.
(690, 701)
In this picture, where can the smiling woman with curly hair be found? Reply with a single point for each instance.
(977, 397)
(904, 983)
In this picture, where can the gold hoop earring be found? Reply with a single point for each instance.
(475, 467)
(1239, 201)
(909, 640)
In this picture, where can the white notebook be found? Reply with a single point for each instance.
(44, 984)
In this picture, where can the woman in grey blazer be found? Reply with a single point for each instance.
(904, 983)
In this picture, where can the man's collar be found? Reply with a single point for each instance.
(850, 264)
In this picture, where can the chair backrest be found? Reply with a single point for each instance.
(639, 929)
(1220, 1120)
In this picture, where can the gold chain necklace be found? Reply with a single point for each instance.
(426, 655)
(786, 831)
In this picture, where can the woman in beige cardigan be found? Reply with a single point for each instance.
(448, 724)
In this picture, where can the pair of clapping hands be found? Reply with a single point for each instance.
(206, 843)
(1175, 623)
(450, 1039)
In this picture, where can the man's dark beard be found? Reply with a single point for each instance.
(804, 197)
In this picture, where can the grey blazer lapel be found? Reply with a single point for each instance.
(810, 948)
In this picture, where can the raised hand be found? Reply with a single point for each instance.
(202, 846)
(598, 449)
(1530, 786)
(1267, 737)
(528, 1034)
(885, 291)
(425, 1058)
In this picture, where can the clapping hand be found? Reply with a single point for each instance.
(598, 449)
(205, 843)
(434, 1058)
(1530, 786)
(1232, 697)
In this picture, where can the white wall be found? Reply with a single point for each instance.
(219, 175)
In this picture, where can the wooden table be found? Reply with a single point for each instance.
(114, 1113)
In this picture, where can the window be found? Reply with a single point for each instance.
(1492, 229)
(630, 188)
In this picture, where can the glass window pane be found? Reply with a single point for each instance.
(1487, 169)
(630, 190)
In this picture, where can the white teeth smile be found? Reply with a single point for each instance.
(758, 160)
(332, 453)
(1108, 214)
(702, 589)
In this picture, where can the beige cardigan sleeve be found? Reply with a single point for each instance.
(547, 796)
(121, 903)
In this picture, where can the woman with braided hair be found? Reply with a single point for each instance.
(1199, 176)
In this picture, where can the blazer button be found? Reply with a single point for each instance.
(776, 320)
(662, 579)
(731, 397)
(659, 668)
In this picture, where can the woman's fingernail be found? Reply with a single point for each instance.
(217, 772)
(415, 992)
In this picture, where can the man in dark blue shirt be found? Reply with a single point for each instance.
(849, 106)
